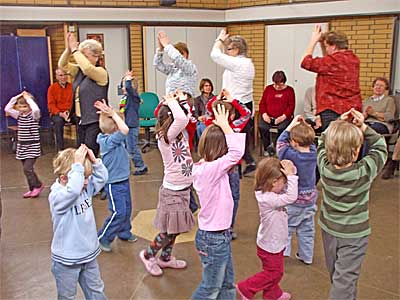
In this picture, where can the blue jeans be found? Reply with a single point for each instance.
(120, 206)
(88, 276)
(216, 259)
(234, 183)
(301, 221)
(132, 146)
(200, 128)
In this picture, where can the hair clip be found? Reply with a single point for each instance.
(169, 113)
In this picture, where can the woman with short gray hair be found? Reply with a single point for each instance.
(90, 83)
(230, 52)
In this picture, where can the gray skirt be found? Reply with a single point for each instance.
(173, 212)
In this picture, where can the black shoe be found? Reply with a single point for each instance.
(141, 172)
(271, 150)
(250, 168)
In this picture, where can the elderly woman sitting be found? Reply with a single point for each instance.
(379, 109)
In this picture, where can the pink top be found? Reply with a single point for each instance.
(272, 233)
(176, 155)
(211, 182)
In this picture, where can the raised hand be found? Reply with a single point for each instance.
(223, 35)
(317, 33)
(169, 98)
(288, 167)
(104, 108)
(228, 96)
(296, 121)
(163, 38)
(221, 118)
(72, 41)
(80, 154)
(91, 155)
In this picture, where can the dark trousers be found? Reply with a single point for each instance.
(327, 116)
(264, 128)
(87, 134)
(268, 279)
(59, 130)
(234, 183)
(31, 177)
(193, 204)
(248, 129)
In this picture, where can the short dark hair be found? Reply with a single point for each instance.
(203, 82)
(381, 79)
(279, 77)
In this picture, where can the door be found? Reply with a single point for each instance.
(285, 47)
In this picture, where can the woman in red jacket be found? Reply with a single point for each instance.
(276, 109)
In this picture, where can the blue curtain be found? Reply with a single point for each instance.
(24, 65)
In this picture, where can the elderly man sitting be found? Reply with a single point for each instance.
(59, 101)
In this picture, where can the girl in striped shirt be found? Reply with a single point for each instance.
(24, 109)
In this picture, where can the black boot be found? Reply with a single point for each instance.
(388, 170)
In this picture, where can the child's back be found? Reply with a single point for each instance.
(344, 218)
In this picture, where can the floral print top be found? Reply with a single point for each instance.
(176, 155)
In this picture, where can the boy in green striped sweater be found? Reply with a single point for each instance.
(345, 185)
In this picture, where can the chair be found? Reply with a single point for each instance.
(147, 118)
(391, 138)
(71, 129)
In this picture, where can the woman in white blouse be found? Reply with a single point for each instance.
(230, 52)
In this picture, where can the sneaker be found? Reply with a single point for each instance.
(133, 238)
(266, 153)
(141, 172)
(285, 296)
(151, 265)
(243, 297)
(303, 261)
(250, 168)
(36, 191)
(106, 247)
(172, 263)
(28, 194)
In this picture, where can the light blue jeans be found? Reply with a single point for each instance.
(200, 128)
(88, 276)
(215, 253)
(301, 221)
(132, 146)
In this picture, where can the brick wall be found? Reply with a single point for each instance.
(371, 39)
(56, 34)
(255, 38)
(136, 43)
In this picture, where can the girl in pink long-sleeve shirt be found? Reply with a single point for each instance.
(220, 149)
(276, 187)
(173, 214)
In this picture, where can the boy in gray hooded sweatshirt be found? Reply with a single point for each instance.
(75, 246)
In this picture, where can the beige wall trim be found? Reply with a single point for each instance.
(176, 15)
(96, 14)
(313, 10)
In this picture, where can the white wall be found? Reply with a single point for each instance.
(116, 52)
(199, 40)
(396, 89)
(285, 46)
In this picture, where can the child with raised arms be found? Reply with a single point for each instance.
(296, 144)
(24, 109)
(275, 188)
(75, 246)
(220, 149)
(173, 214)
